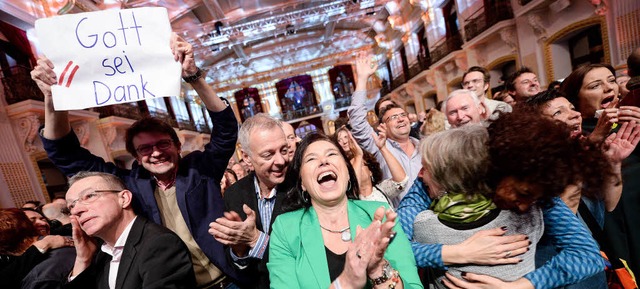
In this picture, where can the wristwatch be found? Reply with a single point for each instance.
(192, 78)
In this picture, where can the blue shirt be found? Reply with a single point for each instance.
(578, 257)
(265, 209)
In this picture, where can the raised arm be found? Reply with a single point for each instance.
(56, 123)
(578, 257)
(485, 247)
(617, 147)
(357, 112)
(183, 52)
(397, 172)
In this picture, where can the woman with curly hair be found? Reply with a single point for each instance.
(372, 186)
(455, 165)
(533, 159)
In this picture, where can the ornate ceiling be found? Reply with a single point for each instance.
(252, 41)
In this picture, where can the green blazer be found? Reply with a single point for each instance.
(297, 257)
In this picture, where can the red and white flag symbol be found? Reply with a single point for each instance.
(64, 72)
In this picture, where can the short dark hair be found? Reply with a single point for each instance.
(37, 210)
(572, 84)
(295, 198)
(553, 84)
(376, 107)
(486, 76)
(511, 81)
(633, 63)
(386, 108)
(149, 125)
(537, 101)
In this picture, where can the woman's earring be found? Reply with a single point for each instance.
(349, 186)
(305, 199)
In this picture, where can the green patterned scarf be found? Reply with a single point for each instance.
(462, 208)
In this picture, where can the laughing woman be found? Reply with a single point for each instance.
(315, 244)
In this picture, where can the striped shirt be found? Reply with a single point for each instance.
(578, 256)
(265, 210)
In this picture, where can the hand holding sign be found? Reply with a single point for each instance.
(183, 53)
(44, 76)
(109, 57)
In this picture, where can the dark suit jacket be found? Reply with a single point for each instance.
(153, 257)
(197, 181)
(244, 192)
(51, 273)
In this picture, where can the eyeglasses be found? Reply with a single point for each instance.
(147, 149)
(474, 81)
(396, 116)
(89, 197)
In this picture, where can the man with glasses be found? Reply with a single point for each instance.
(181, 193)
(136, 253)
(393, 120)
(477, 79)
(523, 84)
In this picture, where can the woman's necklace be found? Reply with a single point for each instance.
(345, 234)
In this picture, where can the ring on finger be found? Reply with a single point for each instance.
(508, 254)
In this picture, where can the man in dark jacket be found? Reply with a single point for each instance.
(255, 201)
(136, 253)
(182, 193)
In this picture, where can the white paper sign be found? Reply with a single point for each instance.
(110, 57)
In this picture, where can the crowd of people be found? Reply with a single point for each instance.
(522, 189)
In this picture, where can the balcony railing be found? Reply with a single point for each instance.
(186, 124)
(300, 113)
(446, 46)
(166, 117)
(342, 102)
(414, 70)
(396, 82)
(18, 85)
(425, 61)
(485, 17)
(126, 110)
(201, 126)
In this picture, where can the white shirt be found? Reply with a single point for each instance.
(116, 254)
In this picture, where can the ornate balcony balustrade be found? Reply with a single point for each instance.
(18, 85)
(300, 113)
(446, 46)
(126, 110)
(485, 17)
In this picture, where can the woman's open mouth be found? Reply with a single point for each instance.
(327, 179)
(607, 101)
